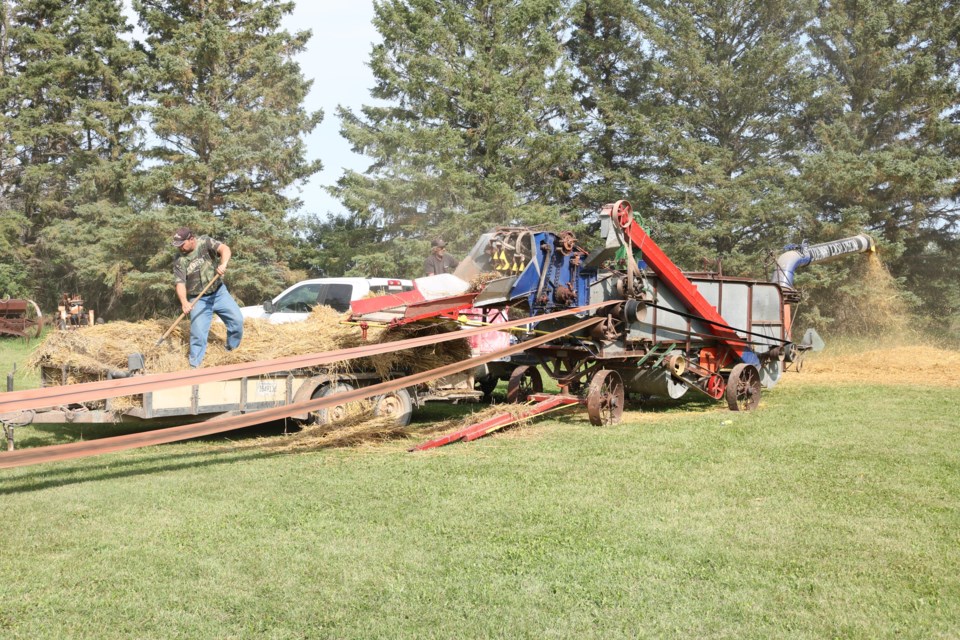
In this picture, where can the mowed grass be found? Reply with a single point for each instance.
(13, 357)
(829, 512)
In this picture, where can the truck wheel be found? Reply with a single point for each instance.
(336, 413)
(397, 405)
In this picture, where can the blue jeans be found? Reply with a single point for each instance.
(222, 304)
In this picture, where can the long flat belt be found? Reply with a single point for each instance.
(53, 453)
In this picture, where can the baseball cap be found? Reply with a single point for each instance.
(182, 235)
(438, 242)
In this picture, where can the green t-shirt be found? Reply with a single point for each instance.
(197, 268)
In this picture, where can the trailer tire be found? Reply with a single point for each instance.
(487, 386)
(332, 414)
(397, 405)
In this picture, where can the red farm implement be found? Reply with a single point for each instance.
(20, 318)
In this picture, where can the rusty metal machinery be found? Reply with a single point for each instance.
(20, 318)
(667, 332)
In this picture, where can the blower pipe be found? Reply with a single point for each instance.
(804, 254)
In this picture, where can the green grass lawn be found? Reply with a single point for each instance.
(829, 512)
(13, 356)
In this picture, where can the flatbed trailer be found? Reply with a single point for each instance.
(245, 395)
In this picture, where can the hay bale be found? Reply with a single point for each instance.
(420, 358)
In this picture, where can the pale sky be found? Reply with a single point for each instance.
(336, 60)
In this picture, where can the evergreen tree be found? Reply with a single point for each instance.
(727, 75)
(226, 109)
(13, 255)
(473, 129)
(616, 85)
(328, 246)
(884, 134)
(69, 124)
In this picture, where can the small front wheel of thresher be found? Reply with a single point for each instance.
(743, 388)
(524, 381)
(605, 398)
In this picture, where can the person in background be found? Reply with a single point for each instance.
(438, 261)
(200, 260)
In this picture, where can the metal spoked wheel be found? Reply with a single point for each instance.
(605, 398)
(715, 386)
(336, 413)
(743, 388)
(524, 381)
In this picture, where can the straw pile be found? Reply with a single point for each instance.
(89, 353)
(356, 430)
(422, 358)
(875, 306)
(904, 364)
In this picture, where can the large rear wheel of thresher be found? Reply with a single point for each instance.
(743, 388)
(605, 398)
(524, 381)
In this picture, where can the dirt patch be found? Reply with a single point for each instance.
(913, 364)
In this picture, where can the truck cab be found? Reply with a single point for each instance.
(295, 303)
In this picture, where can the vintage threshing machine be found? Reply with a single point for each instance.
(662, 332)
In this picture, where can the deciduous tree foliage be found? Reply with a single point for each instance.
(473, 126)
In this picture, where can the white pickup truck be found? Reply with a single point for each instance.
(295, 303)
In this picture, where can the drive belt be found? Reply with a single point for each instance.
(87, 391)
(53, 453)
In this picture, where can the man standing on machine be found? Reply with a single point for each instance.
(438, 261)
